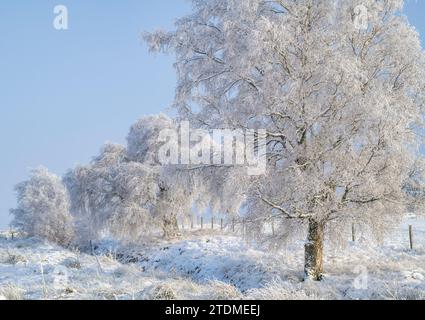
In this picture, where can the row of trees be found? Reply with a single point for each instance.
(123, 191)
(342, 106)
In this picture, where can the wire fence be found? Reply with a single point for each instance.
(195, 223)
(411, 233)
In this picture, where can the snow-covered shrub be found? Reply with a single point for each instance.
(72, 263)
(43, 208)
(396, 291)
(14, 258)
(163, 292)
(121, 272)
(69, 290)
(282, 291)
(11, 292)
(224, 291)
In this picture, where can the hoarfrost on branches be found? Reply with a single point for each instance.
(43, 208)
(341, 106)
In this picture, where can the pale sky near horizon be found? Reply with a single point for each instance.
(64, 93)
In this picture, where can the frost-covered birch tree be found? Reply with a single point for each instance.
(125, 190)
(43, 208)
(340, 95)
(91, 190)
(112, 195)
(174, 196)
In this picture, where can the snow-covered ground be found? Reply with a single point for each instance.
(212, 266)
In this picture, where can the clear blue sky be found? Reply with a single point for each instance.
(64, 93)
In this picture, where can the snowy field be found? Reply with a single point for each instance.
(212, 265)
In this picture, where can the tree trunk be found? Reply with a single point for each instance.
(170, 227)
(313, 269)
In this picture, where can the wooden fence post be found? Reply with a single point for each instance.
(191, 222)
(91, 248)
(221, 224)
(411, 236)
(202, 223)
(233, 225)
(353, 232)
(212, 222)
